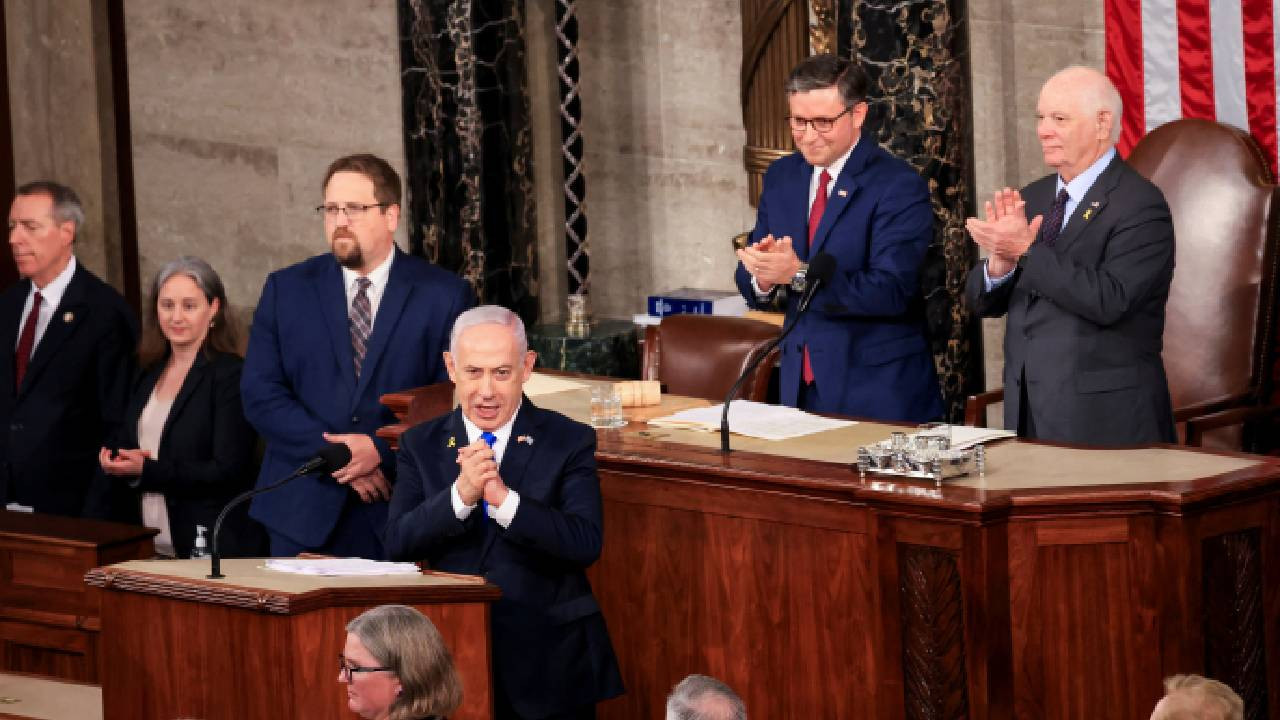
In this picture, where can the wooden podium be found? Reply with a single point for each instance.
(48, 617)
(264, 644)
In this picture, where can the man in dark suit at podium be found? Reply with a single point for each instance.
(66, 367)
(507, 490)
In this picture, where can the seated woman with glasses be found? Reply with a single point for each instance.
(185, 443)
(396, 667)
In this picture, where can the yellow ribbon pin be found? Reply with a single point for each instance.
(453, 442)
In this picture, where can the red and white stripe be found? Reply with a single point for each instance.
(1213, 59)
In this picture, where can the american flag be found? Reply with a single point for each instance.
(1212, 59)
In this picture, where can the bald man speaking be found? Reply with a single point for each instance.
(1084, 282)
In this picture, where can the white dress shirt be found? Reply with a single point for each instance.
(377, 284)
(51, 296)
(506, 512)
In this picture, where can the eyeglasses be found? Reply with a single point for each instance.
(351, 210)
(820, 124)
(346, 672)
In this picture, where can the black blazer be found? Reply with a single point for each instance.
(206, 454)
(71, 401)
(551, 649)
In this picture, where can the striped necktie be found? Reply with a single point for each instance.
(361, 323)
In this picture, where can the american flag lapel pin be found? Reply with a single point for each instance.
(842, 192)
(68, 317)
(526, 439)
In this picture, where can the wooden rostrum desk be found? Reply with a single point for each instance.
(1067, 583)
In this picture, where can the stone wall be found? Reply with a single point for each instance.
(238, 107)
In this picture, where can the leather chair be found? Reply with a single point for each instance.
(1220, 322)
(702, 355)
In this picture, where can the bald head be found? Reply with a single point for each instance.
(1077, 119)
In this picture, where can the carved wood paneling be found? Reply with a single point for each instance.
(1234, 633)
(775, 36)
(933, 653)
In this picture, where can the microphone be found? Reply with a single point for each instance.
(331, 458)
(821, 268)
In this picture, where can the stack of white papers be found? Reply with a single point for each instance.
(340, 566)
(540, 384)
(753, 419)
(964, 436)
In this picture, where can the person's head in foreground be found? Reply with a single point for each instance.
(396, 666)
(699, 697)
(1192, 697)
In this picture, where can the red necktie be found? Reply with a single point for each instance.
(815, 217)
(26, 341)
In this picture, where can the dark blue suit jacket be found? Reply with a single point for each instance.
(551, 649)
(72, 401)
(865, 329)
(299, 380)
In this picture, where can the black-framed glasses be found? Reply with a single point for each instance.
(820, 124)
(347, 671)
(351, 210)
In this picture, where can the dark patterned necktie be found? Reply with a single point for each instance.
(361, 323)
(26, 341)
(1052, 226)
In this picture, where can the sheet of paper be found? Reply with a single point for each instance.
(753, 419)
(340, 566)
(540, 384)
(964, 436)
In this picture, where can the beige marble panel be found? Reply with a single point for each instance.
(547, 167)
(238, 109)
(663, 130)
(57, 69)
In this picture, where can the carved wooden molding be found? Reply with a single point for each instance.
(1234, 632)
(934, 676)
(822, 26)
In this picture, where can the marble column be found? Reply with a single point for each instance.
(467, 144)
(915, 54)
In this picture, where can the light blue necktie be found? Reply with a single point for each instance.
(489, 439)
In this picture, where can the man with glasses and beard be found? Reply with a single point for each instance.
(330, 335)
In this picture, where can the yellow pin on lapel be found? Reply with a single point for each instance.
(1088, 212)
(453, 442)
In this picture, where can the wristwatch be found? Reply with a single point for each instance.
(798, 280)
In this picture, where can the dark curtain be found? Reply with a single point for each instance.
(466, 118)
(916, 53)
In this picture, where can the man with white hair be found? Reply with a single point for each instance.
(507, 490)
(1195, 697)
(702, 697)
(1084, 283)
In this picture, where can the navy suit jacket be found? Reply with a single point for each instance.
(71, 403)
(1085, 321)
(551, 648)
(299, 378)
(864, 329)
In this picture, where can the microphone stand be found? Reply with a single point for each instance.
(755, 362)
(215, 560)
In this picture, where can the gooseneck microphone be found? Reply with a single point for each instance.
(821, 268)
(331, 458)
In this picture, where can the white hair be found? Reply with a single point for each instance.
(1098, 94)
(489, 315)
(701, 697)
